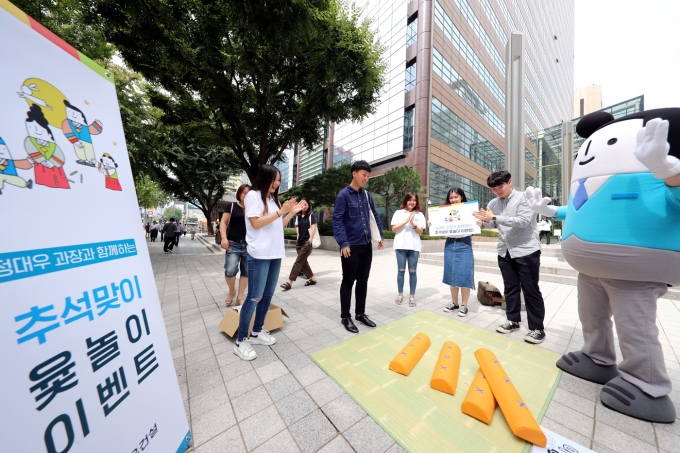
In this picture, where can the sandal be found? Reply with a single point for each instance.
(398, 300)
(228, 301)
(411, 301)
(310, 282)
(286, 286)
(241, 301)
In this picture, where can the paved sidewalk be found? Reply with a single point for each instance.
(282, 402)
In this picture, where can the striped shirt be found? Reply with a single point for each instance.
(516, 224)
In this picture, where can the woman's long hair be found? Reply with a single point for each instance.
(308, 211)
(457, 190)
(265, 177)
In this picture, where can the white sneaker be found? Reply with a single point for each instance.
(244, 351)
(463, 311)
(263, 338)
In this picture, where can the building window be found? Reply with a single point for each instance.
(324, 163)
(581, 107)
(294, 182)
(410, 76)
(443, 179)
(408, 129)
(411, 31)
(452, 131)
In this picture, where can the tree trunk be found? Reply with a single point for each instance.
(206, 213)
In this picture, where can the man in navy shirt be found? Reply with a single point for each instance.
(352, 231)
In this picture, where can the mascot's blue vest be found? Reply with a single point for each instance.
(629, 209)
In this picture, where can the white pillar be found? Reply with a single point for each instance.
(514, 108)
(567, 159)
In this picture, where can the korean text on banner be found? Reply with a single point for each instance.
(86, 361)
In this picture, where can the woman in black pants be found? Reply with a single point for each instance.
(305, 224)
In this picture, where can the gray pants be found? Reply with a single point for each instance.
(633, 305)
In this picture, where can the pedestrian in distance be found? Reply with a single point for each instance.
(184, 229)
(519, 254)
(459, 261)
(544, 229)
(161, 228)
(192, 230)
(169, 231)
(233, 233)
(154, 231)
(147, 229)
(178, 232)
(265, 218)
(305, 226)
(408, 223)
(352, 231)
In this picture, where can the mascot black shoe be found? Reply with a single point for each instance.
(627, 174)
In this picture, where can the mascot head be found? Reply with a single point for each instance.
(609, 145)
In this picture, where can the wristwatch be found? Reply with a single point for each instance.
(493, 218)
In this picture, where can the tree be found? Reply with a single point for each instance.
(65, 19)
(173, 213)
(393, 186)
(149, 193)
(322, 189)
(264, 75)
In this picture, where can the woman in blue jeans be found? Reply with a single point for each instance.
(459, 262)
(233, 233)
(265, 218)
(408, 223)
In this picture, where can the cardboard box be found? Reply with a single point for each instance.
(273, 320)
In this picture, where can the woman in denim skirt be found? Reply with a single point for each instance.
(459, 262)
(234, 242)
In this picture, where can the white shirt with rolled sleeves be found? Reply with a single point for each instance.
(264, 243)
(406, 237)
(517, 232)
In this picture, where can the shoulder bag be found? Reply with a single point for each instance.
(375, 232)
(316, 240)
(218, 235)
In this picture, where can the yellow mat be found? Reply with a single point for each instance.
(422, 419)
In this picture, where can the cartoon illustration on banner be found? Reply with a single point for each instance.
(453, 219)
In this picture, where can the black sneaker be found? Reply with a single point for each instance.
(450, 307)
(463, 311)
(508, 327)
(535, 336)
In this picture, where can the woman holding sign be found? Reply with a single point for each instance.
(408, 223)
(459, 263)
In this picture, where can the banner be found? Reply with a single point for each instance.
(86, 362)
(453, 219)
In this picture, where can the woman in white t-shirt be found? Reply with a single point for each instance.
(408, 223)
(264, 236)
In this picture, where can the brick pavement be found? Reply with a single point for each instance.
(282, 402)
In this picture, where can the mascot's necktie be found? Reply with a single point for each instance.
(581, 196)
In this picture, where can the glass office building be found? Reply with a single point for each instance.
(442, 110)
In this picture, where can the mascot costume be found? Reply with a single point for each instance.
(622, 234)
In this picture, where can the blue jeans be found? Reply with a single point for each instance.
(262, 278)
(236, 256)
(404, 256)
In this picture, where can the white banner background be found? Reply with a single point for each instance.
(88, 212)
(453, 219)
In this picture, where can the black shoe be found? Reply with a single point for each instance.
(508, 327)
(363, 319)
(349, 325)
(535, 336)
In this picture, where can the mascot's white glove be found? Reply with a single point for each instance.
(538, 203)
(652, 149)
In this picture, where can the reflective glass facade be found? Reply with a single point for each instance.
(443, 179)
(469, 15)
(445, 23)
(451, 130)
(408, 129)
(411, 32)
(444, 70)
(410, 77)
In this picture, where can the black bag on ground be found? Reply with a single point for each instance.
(488, 294)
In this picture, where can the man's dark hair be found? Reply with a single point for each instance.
(172, 219)
(498, 178)
(360, 165)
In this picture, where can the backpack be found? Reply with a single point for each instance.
(488, 294)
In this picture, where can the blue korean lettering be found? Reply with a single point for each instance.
(35, 316)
